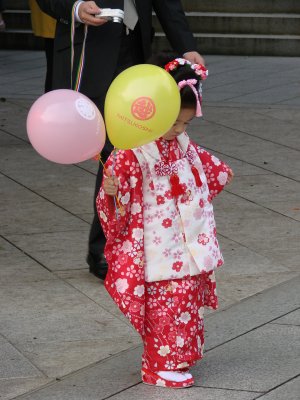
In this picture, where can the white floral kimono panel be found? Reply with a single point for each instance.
(179, 232)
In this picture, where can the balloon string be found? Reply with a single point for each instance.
(82, 55)
(99, 158)
(81, 61)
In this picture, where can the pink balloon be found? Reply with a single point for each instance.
(66, 127)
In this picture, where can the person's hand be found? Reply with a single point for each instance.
(87, 11)
(194, 57)
(230, 176)
(110, 185)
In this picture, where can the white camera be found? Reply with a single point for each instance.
(111, 14)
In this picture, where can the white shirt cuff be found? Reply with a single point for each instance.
(77, 19)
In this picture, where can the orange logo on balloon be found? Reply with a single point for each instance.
(143, 108)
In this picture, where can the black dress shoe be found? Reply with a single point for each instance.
(97, 267)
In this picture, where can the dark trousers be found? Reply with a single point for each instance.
(130, 54)
(49, 47)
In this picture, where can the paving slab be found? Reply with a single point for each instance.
(290, 257)
(65, 250)
(38, 172)
(289, 391)
(258, 124)
(24, 212)
(97, 382)
(15, 365)
(60, 358)
(294, 101)
(50, 179)
(241, 168)
(258, 189)
(12, 125)
(230, 75)
(288, 208)
(19, 268)
(260, 309)
(58, 329)
(89, 165)
(78, 199)
(242, 85)
(286, 114)
(222, 95)
(87, 217)
(25, 104)
(22, 86)
(26, 96)
(253, 150)
(244, 78)
(254, 226)
(293, 318)
(250, 362)
(11, 388)
(242, 260)
(241, 276)
(52, 311)
(142, 391)
(8, 140)
(238, 287)
(277, 94)
(239, 67)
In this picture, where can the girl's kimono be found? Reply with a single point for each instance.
(161, 245)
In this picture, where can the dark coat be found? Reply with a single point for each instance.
(103, 42)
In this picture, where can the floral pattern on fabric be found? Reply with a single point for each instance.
(124, 229)
(188, 240)
(174, 328)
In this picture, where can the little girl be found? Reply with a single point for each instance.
(161, 247)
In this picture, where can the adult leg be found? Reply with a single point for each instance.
(49, 44)
(130, 54)
(95, 258)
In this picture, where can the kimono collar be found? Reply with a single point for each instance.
(167, 167)
(152, 149)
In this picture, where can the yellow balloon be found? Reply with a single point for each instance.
(141, 105)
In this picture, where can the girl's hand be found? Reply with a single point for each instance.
(230, 176)
(110, 185)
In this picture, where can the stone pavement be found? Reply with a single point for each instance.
(61, 337)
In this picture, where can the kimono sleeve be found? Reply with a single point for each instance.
(122, 223)
(114, 212)
(216, 171)
(210, 291)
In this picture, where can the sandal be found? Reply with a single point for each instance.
(151, 378)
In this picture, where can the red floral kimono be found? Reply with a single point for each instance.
(168, 313)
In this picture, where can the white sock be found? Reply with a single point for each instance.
(173, 376)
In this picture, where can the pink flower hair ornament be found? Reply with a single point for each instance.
(192, 83)
(199, 70)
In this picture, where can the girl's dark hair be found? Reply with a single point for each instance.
(184, 72)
